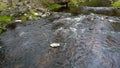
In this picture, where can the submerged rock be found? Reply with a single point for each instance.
(86, 41)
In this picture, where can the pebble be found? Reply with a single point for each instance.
(36, 14)
(0, 47)
(55, 44)
(18, 20)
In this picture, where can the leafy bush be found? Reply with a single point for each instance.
(116, 4)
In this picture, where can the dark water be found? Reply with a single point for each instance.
(116, 26)
(86, 41)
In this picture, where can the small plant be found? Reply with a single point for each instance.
(5, 20)
(24, 18)
(54, 7)
(1, 31)
(116, 4)
(73, 2)
(35, 17)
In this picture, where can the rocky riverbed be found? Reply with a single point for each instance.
(82, 41)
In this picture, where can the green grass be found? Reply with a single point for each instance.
(5, 18)
(73, 2)
(1, 31)
(24, 18)
(116, 4)
(54, 7)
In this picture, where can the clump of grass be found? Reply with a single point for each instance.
(54, 7)
(116, 4)
(73, 2)
(1, 31)
(32, 16)
(4, 20)
(24, 18)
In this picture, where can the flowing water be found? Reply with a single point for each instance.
(86, 41)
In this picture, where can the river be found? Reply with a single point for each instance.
(86, 41)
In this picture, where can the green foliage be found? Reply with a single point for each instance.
(32, 16)
(73, 2)
(91, 3)
(96, 3)
(47, 3)
(54, 7)
(24, 18)
(5, 18)
(3, 6)
(116, 4)
(1, 31)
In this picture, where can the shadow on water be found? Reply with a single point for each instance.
(73, 10)
(2, 56)
(116, 26)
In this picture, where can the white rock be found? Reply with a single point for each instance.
(22, 33)
(102, 18)
(77, 19)
(25, 14)
(36, 14)
(30, 17)
(46, 14)
(18, 20)
(110, 20)
(0, 46)
(55, 44)
(72, 29)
